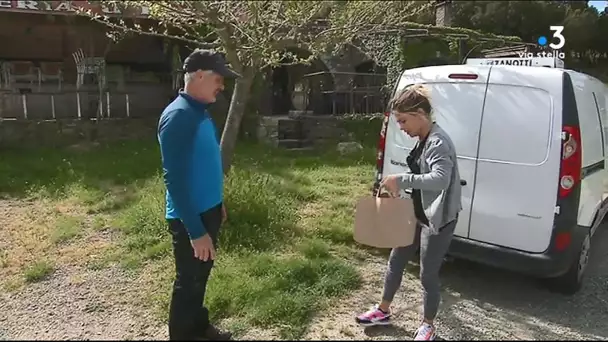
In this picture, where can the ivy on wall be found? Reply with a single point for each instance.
(412, 44)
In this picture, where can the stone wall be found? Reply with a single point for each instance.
(311, 130)
(343, 64)
(304, 131)
(67, 129)
(68, 132)
(324, 129)
(443, 13)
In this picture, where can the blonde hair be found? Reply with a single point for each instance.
(411, 99)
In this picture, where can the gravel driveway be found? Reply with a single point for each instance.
(495, 304)
(479, 303)
(76, 304)
(482, 303)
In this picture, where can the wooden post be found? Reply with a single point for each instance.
(78, 104)
(100, 106)
(443, 13)
(108, 102)
(128, 106)
(53, 106)
(462, 50)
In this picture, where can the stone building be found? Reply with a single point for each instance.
(346, 82)
(56, 64)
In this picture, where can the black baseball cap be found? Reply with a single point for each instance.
(201, 59)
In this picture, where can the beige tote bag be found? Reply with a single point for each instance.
(383, 222)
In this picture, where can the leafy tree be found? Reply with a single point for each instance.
(579, 27)
(585, 29)
(525, 19)
(600, 40)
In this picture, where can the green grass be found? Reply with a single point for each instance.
(38, 271)
(285, 250)
(65, 229)
(277, 291)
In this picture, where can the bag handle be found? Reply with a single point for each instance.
(378, 193)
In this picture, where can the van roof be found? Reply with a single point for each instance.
(555, 71)
(485, 67)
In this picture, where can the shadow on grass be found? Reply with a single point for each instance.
(52, 172)
(264, 190)
(273, 273)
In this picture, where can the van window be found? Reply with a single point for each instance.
(516, 125)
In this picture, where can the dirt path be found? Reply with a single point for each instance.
(78, 302)
(73, 301)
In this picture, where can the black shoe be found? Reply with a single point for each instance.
(214, 334)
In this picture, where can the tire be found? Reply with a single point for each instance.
(572, 281)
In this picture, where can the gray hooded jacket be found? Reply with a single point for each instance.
(438, 181)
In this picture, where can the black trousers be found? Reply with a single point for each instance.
(188, 317)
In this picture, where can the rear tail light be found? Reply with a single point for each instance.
(570, 174)
(562, 241)
(463, 76)
(570, 171)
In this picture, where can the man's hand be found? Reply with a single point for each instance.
(203, 248)
(390, 184)
(224, 215)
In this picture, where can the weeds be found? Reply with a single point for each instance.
(282, 253)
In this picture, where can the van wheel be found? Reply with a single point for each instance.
(571, 281)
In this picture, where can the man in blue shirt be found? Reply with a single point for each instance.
(193, 175)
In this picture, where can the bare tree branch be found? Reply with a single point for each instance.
(125, 28)
(255, 34)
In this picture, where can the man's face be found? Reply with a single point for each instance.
(208, 85)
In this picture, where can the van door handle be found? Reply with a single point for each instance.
(463, 182)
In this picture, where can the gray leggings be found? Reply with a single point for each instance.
(432, 251)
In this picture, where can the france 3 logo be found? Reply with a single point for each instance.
(561, 41)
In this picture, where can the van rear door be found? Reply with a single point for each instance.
(457, 94)
(519, 159)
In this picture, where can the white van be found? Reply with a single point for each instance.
(531, 145)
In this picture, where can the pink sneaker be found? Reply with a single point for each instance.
(372, 317)
(426, 332)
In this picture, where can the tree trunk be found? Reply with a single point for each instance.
(240, 96)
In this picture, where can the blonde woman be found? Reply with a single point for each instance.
(435, 181)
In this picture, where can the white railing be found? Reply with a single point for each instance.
(19, 106)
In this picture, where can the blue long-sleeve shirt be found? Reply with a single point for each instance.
(191, 161)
